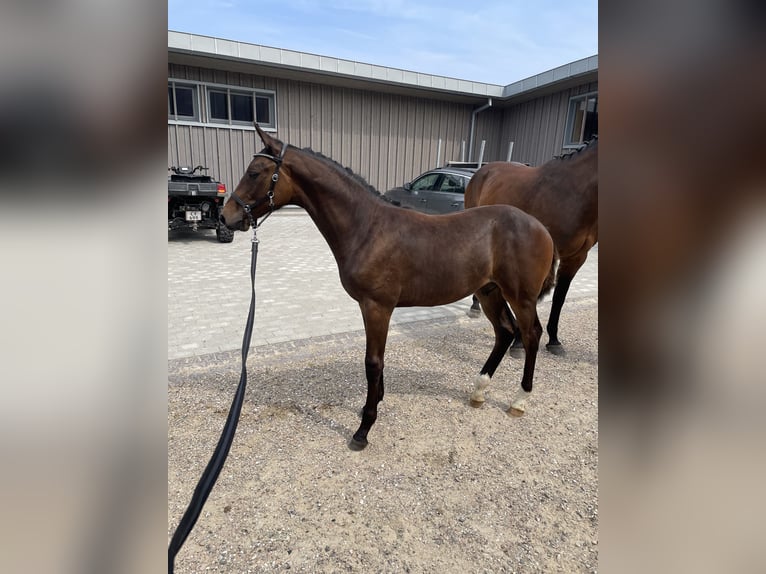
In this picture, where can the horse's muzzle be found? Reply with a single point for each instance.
(243, 225)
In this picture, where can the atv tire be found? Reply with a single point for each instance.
(224, 234)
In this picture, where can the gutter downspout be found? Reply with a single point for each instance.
(473, 124)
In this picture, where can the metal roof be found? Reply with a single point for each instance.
(207, 47)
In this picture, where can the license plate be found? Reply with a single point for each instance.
(193, 216)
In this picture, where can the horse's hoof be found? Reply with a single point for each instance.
(556, 349)
(473, 313)
(514, 412)
(357, 445)
(476, 404)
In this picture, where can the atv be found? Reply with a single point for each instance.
(195, 201)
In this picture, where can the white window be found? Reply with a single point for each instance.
(201, 102)
(233, 106)
(582, 119)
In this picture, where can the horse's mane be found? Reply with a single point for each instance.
(589, 144)
(347, 171)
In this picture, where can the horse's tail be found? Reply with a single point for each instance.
(550, 280)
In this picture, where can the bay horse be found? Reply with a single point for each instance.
(563, 195)
(392, 257)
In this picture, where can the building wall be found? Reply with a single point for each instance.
(386, 138)
(537, 126)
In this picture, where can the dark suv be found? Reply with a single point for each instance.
(195, 202)
(439, 190)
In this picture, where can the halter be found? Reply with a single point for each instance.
(248, 208)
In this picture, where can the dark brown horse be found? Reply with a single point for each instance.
(563, 195)
(391, 257)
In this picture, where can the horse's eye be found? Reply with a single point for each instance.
(253, 174)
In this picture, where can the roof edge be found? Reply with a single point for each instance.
(210, 46)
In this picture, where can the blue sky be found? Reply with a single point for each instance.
(493, 41)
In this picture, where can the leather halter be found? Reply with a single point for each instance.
(249, 208)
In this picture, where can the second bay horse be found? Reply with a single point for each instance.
(563, 195)
(391, 257)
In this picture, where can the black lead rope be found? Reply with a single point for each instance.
(214, 466)
(213, 469)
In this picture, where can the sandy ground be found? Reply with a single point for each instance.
(442, 487)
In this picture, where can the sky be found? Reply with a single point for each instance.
(492, 41)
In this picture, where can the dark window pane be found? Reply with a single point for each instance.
(452, 184)
(425, 182)
(591, 120)
(262, 110)
(185, 101)
(171, 107)
(241, 108)
(219, 107)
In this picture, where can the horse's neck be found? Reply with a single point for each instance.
(340, 208)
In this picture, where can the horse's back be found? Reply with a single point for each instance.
(568, 209)
(500, 182)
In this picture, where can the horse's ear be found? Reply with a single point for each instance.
(272, 143)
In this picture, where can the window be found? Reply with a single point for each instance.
(582, 120)
(182, 101)
(264, 110)
(232, 107)
(219, 104)
(426, 182)
(452, 184)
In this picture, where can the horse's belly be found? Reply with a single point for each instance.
(436, 292)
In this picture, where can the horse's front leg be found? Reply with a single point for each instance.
(376, 320)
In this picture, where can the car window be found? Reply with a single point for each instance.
(452, 184)
(427, 181)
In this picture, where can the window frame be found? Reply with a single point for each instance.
(569, 125)
(229, 92)
(202, 105)
(173, 85)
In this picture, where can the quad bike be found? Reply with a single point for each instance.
(195, 202)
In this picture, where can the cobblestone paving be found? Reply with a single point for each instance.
(298, 291)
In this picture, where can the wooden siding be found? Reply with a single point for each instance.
(537, 127)
(387, 139)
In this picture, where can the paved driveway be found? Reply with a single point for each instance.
(299, 295)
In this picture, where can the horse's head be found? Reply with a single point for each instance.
(261, 189)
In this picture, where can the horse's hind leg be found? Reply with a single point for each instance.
(376, 320)
(530, 328)
(498, 313)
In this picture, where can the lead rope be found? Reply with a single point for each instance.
(213, 469)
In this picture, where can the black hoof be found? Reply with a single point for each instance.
(357, 445)
(556, 349)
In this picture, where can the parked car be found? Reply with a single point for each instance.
(195, 201)
(439, 190)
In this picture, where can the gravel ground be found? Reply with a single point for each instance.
(442, 487)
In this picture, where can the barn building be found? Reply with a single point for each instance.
(386, 124)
